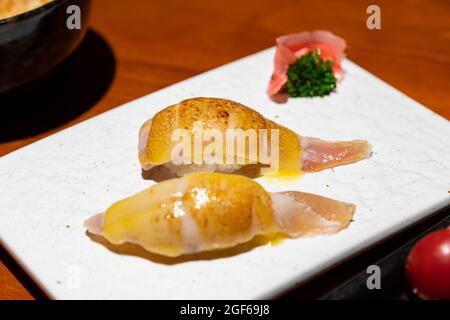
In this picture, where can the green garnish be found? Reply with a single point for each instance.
(310, 76)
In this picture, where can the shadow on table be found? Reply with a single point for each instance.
(66, 92)
(129, 249)
(21, 275)
(161, 173)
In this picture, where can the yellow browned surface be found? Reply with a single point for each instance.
(219, 114)
(146, 218)
(227, 210)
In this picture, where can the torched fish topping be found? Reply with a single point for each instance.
(208, 211)
(294, 152)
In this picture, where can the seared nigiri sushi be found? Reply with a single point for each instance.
(295, 153)
(209, 211)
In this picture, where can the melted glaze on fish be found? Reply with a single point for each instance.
(211, 211)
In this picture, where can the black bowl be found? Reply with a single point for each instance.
(34, 42)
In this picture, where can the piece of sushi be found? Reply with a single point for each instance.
(209, 211)
(295, 153)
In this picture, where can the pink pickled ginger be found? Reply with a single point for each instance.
(293, 46)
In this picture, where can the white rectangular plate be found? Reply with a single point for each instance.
(49, 188)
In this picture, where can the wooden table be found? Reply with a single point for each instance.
(148, 45)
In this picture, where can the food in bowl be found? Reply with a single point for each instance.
(33, 43)
(11, 8)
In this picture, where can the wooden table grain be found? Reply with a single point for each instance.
(157, 43)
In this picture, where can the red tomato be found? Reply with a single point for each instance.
(428, 266)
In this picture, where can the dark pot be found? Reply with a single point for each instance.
(34, 42)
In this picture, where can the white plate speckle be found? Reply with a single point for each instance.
(64, 179)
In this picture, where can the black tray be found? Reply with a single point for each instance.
(349, 279)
